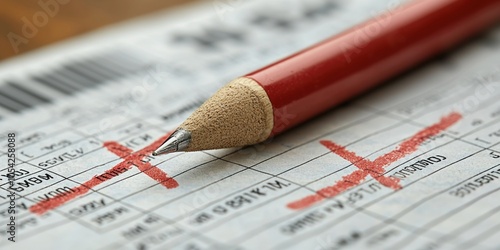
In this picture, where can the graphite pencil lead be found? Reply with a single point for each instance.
(178, 141)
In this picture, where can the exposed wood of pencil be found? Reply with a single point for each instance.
(239, 114)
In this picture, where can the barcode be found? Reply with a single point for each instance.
(68, 79)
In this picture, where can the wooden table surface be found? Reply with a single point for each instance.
(26, 25)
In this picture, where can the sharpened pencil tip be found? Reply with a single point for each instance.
(178, 141)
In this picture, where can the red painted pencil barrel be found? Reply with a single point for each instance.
(311, 81)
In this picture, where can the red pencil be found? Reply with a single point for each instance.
(279, 96)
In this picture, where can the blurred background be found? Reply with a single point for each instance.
(55, 20)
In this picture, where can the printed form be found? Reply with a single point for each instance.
(414, 164)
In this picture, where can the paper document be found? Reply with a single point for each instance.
(413, 164)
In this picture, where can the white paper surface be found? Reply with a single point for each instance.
(128, 85)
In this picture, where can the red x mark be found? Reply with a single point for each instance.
(129, 158)
(373, 168)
